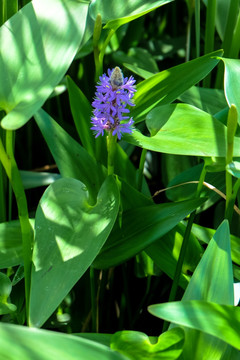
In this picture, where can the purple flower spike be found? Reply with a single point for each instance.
(113, 94)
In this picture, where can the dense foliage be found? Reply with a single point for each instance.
(119, 179)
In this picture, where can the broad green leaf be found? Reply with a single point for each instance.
(124, 167)
(139, 57)
(139, 71)
(221, 321)
(131, 197)
(5, 290)
(165, 253)
(138, 346)
(211, 281)
(185, 130)
(116, 13)
(49, 345)
(72, 159)
(234, 168)
(167, 85)
(33, 179)
(81, 112)
(209, 100)
(205, 234)
(140, 228)
(37, 46)
(104, 339)
(69, 235)
(231, 83)
(213, 278)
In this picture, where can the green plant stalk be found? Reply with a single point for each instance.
(2, 196)
(93, 301)
(197, 26)
(3, 11)
(111, 148)
(141, 168)
(10, 166)
(96, 36)
(228, 195)
(102, 51)
(7, 9)
(231, 130)
(232, 200)
(233, 53)
(231, 23)
(228, 37)
(3, 183)
(184, 246)
(188, 38)
(191, 8)
(209, 34)
(10, 190)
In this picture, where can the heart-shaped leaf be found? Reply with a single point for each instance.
(138, 346)
(69, 235)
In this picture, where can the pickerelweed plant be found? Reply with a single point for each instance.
(140, 203)
(114, 93)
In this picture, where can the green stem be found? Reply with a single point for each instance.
(197, 26)
(228, 195)
(141, 168)
(232, 199)
(184, 246)
(231, 130)
(93, 300)
(236, 187)
(3, 182)
(188, 39)
(111, 147)
(10, 166)
(209, 34)
(96, 36)
(102, 52)
(227, 41)
(3, 11)
(233, 52)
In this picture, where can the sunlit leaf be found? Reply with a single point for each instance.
(33, 179)
(231, 86)
(115, 13)
(138, 346)
(28, 344)
(37, 46)
(167, 85)
(211, 318)
(69, 235)
(185, 130)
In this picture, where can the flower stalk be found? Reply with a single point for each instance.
(114, 93)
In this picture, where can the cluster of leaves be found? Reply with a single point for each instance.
(88, 226)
